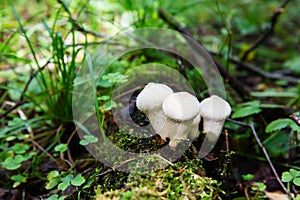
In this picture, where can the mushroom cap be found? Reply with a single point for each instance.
(152, 96)
(181, 106)
(215, 108)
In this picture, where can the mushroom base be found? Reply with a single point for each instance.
(212, 129)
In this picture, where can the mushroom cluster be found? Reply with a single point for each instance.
(177, 115)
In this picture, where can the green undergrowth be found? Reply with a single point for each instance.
(42, 48)
(184, 180)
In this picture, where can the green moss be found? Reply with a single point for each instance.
(184, 180)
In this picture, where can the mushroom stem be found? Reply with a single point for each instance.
(150, 102)
(212, 128)
(194, 132)
(178, 132)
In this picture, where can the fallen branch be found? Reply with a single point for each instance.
(259, 71)
(274, 20)
(251, 126)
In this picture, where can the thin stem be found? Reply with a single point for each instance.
(251, 125)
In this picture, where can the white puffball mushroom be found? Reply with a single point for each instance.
(180, 110)
(214, 111)
(150, 101)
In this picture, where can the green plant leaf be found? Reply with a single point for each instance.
(293, 64)
(248, 177)
(296, 181)
(78, 180)
(61, 148)
(104, 83)
(286, 177)
(16, 122)
(28, 155)
(259, 186)
(11, 163)
(273, 93)
(20, 148)
(104, 98)
(52, 174)
(109, 105)
(18, 178)
(264, 105)
(84, 142)
(91, 138)
(53, 197)
(88, 139)
(297, 197)
(278, 125)
(63, 186)
(295, 127)
(294, 173)
(245, 112)
(277, 144)
(254, 103)
(53, 178)
(68, 178)
(78, 81)
(115, 77)
(52, 183)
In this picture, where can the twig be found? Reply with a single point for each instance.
(21, 100)
(270, 75)
(68, 143)
(295, 118)
(227, 163)
(19, 103)
(235, 83)
(117, 166)
(270, 30)
(251, 126)
(129, 160)
(259, 71)
(77, 26)
(42, 149)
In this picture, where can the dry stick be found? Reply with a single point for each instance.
(21, 100)
(257, 70)
(68, 143)
(264, 73)
(117, 166)
(269, 32)
(234, 82)
(227, 158)
(295, 118)
(42, 149)
(251, 125)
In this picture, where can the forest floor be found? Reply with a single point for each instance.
(50, 49)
